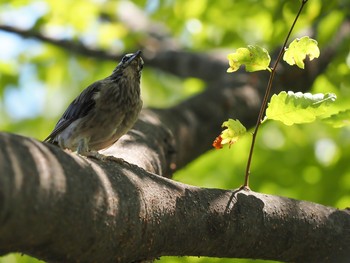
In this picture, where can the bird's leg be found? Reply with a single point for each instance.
(83, 149)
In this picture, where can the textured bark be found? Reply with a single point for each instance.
(60, 207)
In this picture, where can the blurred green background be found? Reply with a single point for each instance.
(38, 80)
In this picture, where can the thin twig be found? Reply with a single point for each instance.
(266, 97)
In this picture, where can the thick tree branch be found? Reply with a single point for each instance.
(64, 208)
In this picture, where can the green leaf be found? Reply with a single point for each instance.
(254, 58)
(292, 108)
(299, 49)
(338, 120)
(234, 130)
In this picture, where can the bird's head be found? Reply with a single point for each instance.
(130, 64)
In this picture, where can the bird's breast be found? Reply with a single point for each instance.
(117, 108)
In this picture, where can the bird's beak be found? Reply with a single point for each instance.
(136, 54)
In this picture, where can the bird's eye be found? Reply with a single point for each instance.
(125, 59)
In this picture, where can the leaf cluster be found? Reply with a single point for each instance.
(287, 107)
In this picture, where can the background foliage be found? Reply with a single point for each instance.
(38, 80)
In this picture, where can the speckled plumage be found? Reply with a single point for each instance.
(103, 112)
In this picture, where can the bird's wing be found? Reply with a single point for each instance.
(79, 108)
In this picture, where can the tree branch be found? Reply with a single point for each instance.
(208, 67)
(64, 208)
(177, 62)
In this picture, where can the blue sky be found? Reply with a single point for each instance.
(27, 99)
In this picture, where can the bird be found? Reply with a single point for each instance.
(103, 112)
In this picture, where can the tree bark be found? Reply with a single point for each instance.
(61, 207)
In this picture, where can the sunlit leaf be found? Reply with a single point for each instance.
(299, 49)
(338, 120)
(254, 58)
(293, 108)
(234, 130)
